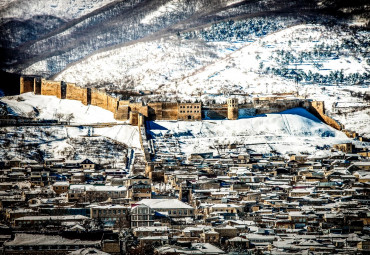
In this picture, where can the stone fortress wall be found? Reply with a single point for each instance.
(318, 109)
(126, 110)
(76, 93)
(51, 88)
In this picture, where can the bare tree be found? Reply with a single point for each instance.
(69, 118)
(59, 116)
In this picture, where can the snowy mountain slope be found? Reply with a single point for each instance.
(63, 9)
(120, 22)
(163, 62)
(310, 53)
(316, 56)
(160, 62)
(292, 131)
(279, 55)
(24, 22)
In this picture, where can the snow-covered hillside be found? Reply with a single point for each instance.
(315, 61)
(148, 65)
(292, 131)
(47, 107)
(117, 23)
(103, 144)
(64, 9)
(309, 54)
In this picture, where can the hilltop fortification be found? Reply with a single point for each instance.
(126, 110)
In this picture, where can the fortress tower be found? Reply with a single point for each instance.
(26, 84)
(232, 109)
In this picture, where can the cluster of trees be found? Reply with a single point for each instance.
(107, 149)
(316, 56)
(333, 78)
(240, 30)
(67, 117)
(323, 51)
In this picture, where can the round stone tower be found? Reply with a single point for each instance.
(232, 109)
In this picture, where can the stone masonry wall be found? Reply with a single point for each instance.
(122, 113)
(76, 93)
(169, 111)
(215, 112)
(51, 88)
(99, 98)
(318, 109)
(112, 104)
(140, 108)
(155, 111)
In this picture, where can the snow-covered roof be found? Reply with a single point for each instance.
(88, 251)
(61, 184)
(152, 228)
(62, 218)
(36, 239)
(165, 204)
(97, 188)
(109, 207)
